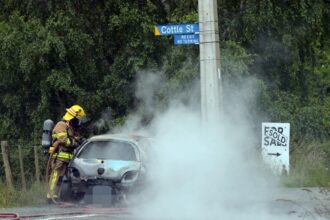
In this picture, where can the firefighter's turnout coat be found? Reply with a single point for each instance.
(63, 149)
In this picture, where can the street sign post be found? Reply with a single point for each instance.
(186, 39)
(275, 146)
(173, 29)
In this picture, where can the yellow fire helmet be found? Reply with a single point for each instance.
(75, 111)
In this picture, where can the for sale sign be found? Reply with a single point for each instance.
(275, 146)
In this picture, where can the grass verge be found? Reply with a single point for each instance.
(310, 166)
(35, 195)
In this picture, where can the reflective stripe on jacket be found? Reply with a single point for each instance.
(63, 135)
(63, 155)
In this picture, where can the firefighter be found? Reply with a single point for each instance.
(65, 140)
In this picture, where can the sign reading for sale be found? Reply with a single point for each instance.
(273, 135)
(275, 146)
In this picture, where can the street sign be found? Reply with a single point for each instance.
(186, 39)
(275, 146)
(173, 29)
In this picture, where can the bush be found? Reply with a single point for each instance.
(35, 195)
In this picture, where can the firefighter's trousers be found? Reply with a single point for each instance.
(58, 168)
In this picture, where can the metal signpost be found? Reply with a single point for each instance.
(275, 146)
(211, 90)
(206, 34)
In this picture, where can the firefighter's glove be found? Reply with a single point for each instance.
(75, 144)
(51, 149)
(78, 142)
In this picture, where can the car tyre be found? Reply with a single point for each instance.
(66, 191)
(78, 196)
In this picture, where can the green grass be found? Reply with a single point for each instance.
(35, 195)
(310, 166)
(309, 177)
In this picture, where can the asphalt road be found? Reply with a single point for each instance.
(297, 203)
(303, 203)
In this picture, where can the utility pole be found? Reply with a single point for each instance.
(211, 89)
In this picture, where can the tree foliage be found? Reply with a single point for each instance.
(57, 53)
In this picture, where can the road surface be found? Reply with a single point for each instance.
(294, 203)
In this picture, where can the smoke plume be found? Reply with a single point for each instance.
(197, 173)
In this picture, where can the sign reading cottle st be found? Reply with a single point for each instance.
(173, 29)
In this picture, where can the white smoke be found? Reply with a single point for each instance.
(148, 85)
(104, 120)
(202, 175)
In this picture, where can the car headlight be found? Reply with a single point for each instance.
(129, 176)
(74, 172)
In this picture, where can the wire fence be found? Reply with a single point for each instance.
(21, 165)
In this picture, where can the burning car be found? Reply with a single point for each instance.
(117, 162)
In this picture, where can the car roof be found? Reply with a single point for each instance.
(119, 136)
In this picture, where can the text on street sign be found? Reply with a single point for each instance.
(173, 29)
(186, 39)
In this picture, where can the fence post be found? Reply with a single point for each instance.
(21, 165)
(5, 156)
(36, 163)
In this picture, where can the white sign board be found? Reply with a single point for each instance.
(275, 146)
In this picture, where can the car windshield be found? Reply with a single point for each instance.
(108, 150)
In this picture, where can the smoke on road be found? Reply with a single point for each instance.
(213, 173)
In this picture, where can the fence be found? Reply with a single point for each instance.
(26, 159)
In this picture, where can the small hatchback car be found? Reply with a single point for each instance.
(117, 162)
